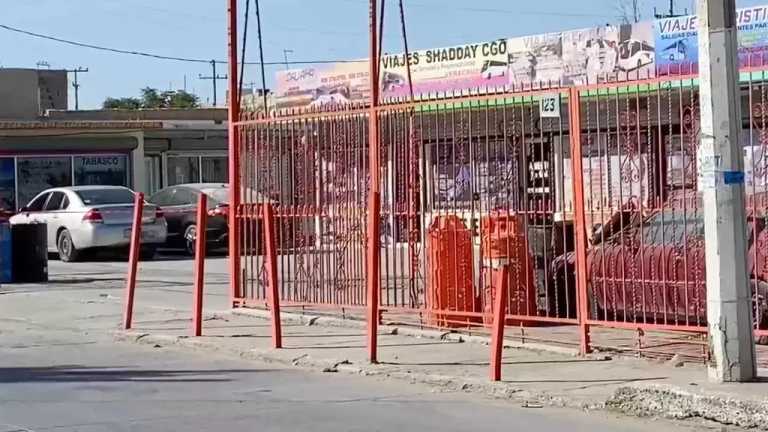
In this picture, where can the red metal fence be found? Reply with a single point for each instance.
(527, 179)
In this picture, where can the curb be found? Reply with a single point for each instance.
(441, 382)
(322, 320)
(638, 400)
(675, 403)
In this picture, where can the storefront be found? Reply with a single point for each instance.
(33, 159)
(23, 177)
(185, 156)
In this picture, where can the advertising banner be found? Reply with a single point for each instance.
(583, 56)
(433, 71)
(476, 66)
(677, 48)
(322, 85)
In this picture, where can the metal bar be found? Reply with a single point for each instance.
(233, 115)
(580, 227)
(201, 238)
(274, 291)
(499, 312)
(133, 260)
(374, 205)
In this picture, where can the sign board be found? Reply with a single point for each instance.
(549, 105)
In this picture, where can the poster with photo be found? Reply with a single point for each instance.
(337, 83)
(535, 59)
(608, 52)
(677, 45)
(471, 67)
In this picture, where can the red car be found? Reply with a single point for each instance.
(649, 266)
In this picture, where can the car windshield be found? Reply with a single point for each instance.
(105, 196)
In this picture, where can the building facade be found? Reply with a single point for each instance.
(26, 94)
(144, 150)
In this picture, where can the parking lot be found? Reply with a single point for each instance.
(165, 282)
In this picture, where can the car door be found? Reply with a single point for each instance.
(187, 205)
(31, 213)
(53, 215)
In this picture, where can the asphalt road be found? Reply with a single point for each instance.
(61, 371)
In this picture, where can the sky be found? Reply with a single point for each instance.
(310, 29)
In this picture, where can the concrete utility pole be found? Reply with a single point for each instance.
(721, 181)
(214, 78)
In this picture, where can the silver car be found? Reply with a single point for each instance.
(88, 217)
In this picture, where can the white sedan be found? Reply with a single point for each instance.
(89, 217)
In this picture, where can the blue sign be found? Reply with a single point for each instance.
(677, 44)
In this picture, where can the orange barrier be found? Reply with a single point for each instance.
(504, 244)
(450, 272)
(133, 260)
(201, 240)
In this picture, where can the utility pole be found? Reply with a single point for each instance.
(285, 56)
(214, 78)
(671, 13)
(373, 257)
(76, 84)
(721, 182)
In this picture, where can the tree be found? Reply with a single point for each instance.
(628, 11)
(150, 98)
(180, 99)
(153, 99)
(126, 103)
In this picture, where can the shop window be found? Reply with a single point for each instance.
(183, 169)
(106, 170)
(37, 174)
(214, 170)
(7, 186)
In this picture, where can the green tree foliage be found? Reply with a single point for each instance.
(153, 99)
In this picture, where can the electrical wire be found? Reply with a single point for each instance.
(242, 53)
(160, 56)
(261, 56)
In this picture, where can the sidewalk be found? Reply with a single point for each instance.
(460, 363)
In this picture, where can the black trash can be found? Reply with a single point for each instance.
(30, 252)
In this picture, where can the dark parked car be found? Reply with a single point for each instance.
(179, 203)
(650, 266)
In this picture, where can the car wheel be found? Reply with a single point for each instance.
(66, 248)
(190, 234)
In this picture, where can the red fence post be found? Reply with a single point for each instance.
(273, 292)
(580, 228)
(133, 260)
(500, 280)
(201, 239)
(374, 204)
(234, 158)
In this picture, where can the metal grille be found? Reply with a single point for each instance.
(471, 180)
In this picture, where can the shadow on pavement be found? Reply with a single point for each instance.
(77, 373)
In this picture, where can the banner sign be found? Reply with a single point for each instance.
(447, 70)
(677, 46)
(610, 52)
(433, 71)
(583, 56)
